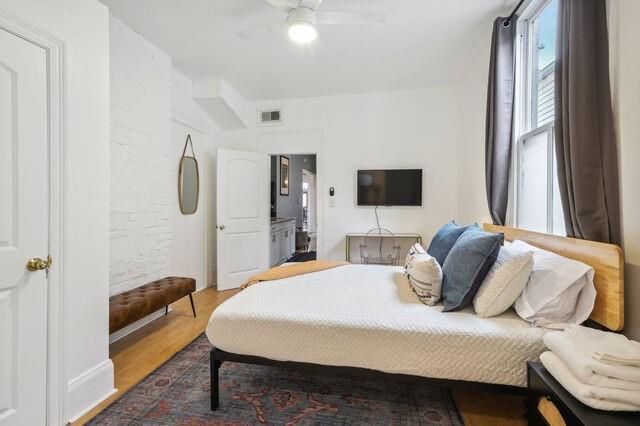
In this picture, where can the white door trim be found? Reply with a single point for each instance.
(303, 146)
(56, 87)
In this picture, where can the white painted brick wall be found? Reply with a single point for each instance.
(141, 184)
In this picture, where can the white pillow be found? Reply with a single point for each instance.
(424, 275)
(559, 292)
(504, 282)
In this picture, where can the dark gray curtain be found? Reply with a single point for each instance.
(585, 138)
(500, 117)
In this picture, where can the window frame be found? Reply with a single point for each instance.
(524, 98)
(547, 128)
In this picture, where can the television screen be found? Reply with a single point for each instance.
(402, 187)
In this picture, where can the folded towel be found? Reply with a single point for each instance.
(609, 347)
(593, 396)
(588, 370)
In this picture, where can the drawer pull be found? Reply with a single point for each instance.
(550, 412)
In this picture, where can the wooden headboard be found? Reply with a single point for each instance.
(606, 259)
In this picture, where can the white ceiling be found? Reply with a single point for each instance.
(423, 43)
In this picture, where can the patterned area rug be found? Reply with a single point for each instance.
(178, 394)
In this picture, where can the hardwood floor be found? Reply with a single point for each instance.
(487, 409)
(138, 354)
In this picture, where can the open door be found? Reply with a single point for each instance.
(310, 179)
(242, 216)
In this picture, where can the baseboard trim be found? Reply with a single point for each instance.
(89, 389)
(136, 325)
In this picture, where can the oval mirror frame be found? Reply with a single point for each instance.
(188, 182)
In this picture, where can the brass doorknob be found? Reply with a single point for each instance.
(37, 264)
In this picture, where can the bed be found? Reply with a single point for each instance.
(364, 320)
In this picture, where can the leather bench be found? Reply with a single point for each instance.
(133, 305)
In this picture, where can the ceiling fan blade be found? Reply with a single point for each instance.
(284, 5)
(252, 32)
(351, 17)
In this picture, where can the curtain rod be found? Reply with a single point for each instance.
(507, 22)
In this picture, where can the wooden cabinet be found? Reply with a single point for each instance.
(274, 253)
(282, 241)
(282, 245)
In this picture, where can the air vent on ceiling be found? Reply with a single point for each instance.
(271, 117)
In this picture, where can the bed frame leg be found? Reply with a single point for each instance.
(215, 382)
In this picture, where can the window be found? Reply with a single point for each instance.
(537, 205)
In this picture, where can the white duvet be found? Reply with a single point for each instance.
(367, 316)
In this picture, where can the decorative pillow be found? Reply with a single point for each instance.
(560, 291)
(467, 264)
(424, 275)
(504, 282)
(415, 250)
(444, 240)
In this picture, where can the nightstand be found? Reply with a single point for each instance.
(548, 403)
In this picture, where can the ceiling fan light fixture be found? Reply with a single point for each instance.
(302, 25)
(302, 33)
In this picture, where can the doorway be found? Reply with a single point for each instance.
(293, 201)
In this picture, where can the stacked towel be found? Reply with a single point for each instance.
(588, 370)
(581, 365)
(597, 397)
(613, 348)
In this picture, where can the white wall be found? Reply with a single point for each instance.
(84, 28)
(152, 111)
(625, 39)
(472, 194)
(409, 129)
(194, 236)
(141, 163)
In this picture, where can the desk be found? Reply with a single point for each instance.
(353, 241)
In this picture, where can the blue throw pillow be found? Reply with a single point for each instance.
(467, 264)
(444, 240)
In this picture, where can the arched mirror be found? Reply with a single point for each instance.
(188, 180)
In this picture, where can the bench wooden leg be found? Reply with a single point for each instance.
(193, 307)
(215, 382)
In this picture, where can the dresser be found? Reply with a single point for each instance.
(282, 240)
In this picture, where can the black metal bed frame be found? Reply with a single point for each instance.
(217, 357)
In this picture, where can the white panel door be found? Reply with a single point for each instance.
(242, 216)
(24, 231)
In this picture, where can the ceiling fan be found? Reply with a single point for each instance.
(303, 17)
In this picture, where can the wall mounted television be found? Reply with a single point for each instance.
(397, 187)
